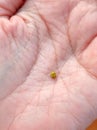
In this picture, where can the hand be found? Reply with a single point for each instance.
(38, 37)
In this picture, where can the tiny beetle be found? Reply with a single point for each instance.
(53, 75)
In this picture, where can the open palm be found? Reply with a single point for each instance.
(38, 37)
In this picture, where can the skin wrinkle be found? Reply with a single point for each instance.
(52, 96)
(17, 116)
(66, 88)
(79, 121)
(30, 15)
(89, 10)
(7, 10)
(86, 69)
(69, 26)
(44, 21)
(90, 104)
(87, 45)
(9, 127)
(75, 119)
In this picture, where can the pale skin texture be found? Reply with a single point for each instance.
(36, 38)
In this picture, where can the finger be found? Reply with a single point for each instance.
(9, 7)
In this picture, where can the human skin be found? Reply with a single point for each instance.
(36, 38)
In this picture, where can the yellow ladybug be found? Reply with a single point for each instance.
(53, 75)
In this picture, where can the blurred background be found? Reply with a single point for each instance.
(93, 126)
